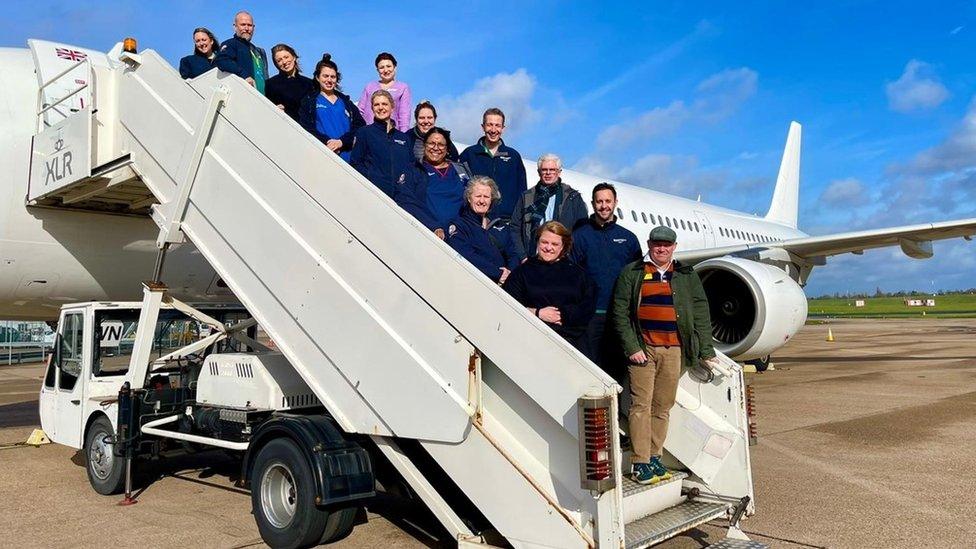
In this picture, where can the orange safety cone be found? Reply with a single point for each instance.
(830, 334)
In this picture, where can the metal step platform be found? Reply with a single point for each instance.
(671, 522)
(631, 487)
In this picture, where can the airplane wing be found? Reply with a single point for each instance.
(915, 241)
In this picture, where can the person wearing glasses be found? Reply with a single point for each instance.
(204, 54)
(433, 189)
(548, 200)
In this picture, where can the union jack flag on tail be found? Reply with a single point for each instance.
(70, 55)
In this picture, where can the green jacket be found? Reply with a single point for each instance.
(690, 304)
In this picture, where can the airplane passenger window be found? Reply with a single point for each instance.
(633, 213)
(683, 225)
(644, 217)
(696, 228)
(667, 220)
(620, 213)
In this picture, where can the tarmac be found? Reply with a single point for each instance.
(868, 441)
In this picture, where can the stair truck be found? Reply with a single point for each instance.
(391, 349)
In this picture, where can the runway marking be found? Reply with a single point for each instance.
(862, 483)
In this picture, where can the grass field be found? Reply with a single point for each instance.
(946, 306)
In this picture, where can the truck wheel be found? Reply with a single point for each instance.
(106, 471)
(283, 497)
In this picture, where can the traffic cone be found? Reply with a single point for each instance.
(830, 334)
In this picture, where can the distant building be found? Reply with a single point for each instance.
(859, 303)
(930, 303)
(913, 302)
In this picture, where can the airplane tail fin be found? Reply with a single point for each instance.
(786, 195)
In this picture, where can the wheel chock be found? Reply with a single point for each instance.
(37, 438)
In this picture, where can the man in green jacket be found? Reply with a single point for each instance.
(660, 315)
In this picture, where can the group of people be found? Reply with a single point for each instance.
(582, 275)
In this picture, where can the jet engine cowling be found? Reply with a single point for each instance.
(755, 308)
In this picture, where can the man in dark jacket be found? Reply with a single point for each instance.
(660, 315)
(602, 248)
(549, 200)
(492, 158)
(239, 56)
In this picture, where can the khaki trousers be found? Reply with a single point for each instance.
(653, 386)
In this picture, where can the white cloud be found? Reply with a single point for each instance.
(847, 192)
(918, 88)
(511, 92)
(716, 98)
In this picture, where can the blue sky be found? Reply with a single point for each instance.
(688, 98)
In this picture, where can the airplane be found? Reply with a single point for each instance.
(100, 247)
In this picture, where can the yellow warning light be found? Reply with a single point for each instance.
(129, 45)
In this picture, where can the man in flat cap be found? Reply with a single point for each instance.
(660, 314)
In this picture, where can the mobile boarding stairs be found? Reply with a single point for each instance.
(397, 335)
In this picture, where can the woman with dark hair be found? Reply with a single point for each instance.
(553, 288)
(204, 53)
(380, 151)
(426, 116)
(386, 67)
(489, 248)
(329, 114)
(433, 189)
(287, 88)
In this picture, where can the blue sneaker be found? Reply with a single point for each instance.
(659, 469)
(645, 473)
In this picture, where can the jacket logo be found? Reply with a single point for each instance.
(399, 142)
(451, 230)
(403, 177)
(505, 158)
(620, 240)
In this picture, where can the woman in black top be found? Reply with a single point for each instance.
(204, 53)
(553, 288)
(287, 88)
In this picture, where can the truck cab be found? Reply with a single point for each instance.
(123, 386)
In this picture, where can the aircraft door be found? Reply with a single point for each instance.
(69, 387)
(708, 234)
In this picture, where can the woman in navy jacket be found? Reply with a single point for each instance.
(329, 114)
(381, 152)
(487, 247)
(433, 190)
(204, 54)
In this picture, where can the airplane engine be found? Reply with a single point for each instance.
(755, 308)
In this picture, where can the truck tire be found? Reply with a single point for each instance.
(106, 471)
(283, 498)
(339, 524)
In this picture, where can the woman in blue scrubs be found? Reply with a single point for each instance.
(329, 114)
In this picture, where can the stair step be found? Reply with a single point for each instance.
(729, 543)
(631, 486)
(641, 500)
(671, 522)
